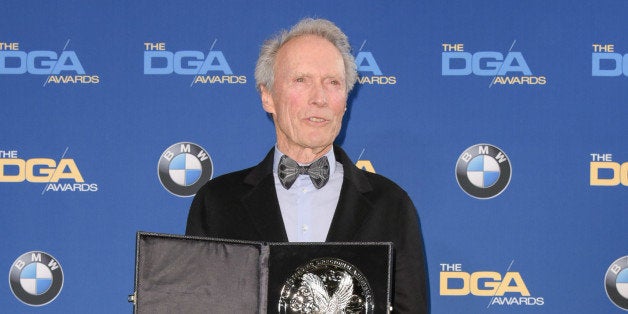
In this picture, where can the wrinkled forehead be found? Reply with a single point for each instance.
(309, 55)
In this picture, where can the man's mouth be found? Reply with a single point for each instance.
(316, 119)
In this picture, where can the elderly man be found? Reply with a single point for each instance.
(304, 77)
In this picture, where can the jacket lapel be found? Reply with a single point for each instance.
(353, 208)
(261, 202)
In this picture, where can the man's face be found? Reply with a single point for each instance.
(308, 97)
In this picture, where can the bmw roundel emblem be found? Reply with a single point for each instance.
(483, 171)
(184, 168)
(616, 283)
(36, 278)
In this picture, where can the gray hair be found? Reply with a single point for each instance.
(265, 67)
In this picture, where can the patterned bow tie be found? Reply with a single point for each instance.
(289, 170)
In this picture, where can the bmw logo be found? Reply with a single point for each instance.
(616, 282)
(483, 171)
(183, 168)
(36, 278)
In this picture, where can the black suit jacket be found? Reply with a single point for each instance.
(243, 205)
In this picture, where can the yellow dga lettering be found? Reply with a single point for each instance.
(489, 286)
(19, 163)
(519, 285)
(44, 173)
(594, 173)
(624, 173)
(444, 283)
(365, 165)
(73, 172)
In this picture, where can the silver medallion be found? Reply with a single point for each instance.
(326, 286)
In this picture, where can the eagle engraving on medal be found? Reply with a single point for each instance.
(326, 286)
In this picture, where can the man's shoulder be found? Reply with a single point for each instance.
(239, 182)
(378, 183)
(226, 182)
(234, 176)
(366, 181)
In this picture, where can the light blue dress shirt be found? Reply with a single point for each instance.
(307, 211)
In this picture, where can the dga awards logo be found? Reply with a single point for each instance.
(205, 68)
(606, 172)
(57, 176)
(616, 282)
(606, 62)
(509, 68)
(64, 67)
(369, 70)
(36, 278)
(483, 171)
(184, 168)
(508, 289)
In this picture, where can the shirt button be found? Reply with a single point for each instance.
(304, 228)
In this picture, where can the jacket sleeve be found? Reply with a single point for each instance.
(410, 275)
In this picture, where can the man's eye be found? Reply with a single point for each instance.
(300, 80)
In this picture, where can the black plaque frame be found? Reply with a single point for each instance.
(185, 274)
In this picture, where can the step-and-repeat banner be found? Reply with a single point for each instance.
(506, 122)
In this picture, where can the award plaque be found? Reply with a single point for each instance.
(184, 274)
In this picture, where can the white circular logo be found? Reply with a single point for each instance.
(184, 168)
(483, 171)
(36, 278)
(616, 282)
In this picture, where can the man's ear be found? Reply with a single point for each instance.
(267, 100)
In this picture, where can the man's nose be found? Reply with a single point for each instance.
(318, 94)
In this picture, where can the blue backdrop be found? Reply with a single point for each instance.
(94, 94)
